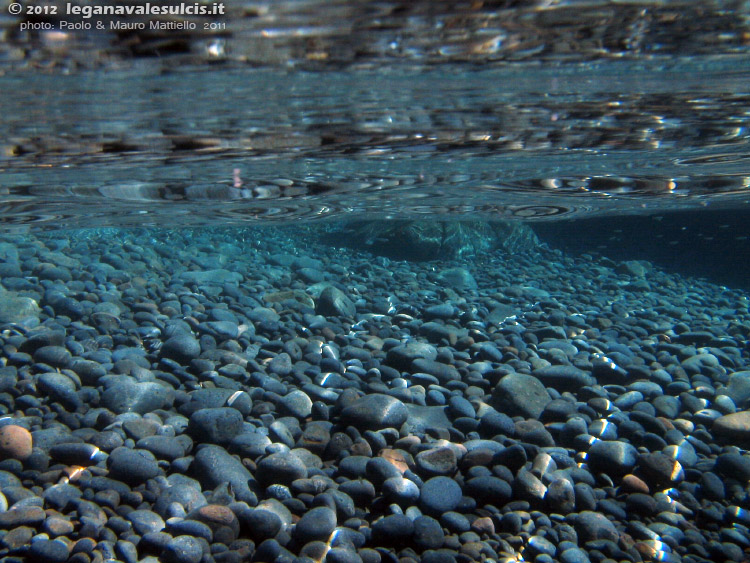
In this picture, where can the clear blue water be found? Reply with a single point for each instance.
(526, 140)
(619, 129)
(570, 145)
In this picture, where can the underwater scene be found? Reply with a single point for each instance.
(374, 282)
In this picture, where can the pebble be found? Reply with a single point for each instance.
(538, 545)
(495, 423)
(17, 537)
(132, 466)
(15, 442)
(438, 495)
(220, 519)
(55, 356)
(48, 551)
(660, 471)
(394, 529)
(561, 496)
(428, 533)
(733, 428)
(564, 378)
(712, 486)
(296, 403)
(594, 526)
(181, 348)
(401, 491)
(458, 279)
(261, 524)
(404, 355)
(182, 549)
(738, 388)
(517, 394)
(317, 524)
(22, 516)
(190, 528)
(145, 521)
(334, 302)
(574, 555)
(215, 425)
(282, 468)
(444, 373)
(214, 466)
(132, 396)
(733, 465)
(375, 411)
(437, 461)
(488, 489)
(613, 458)
(163, 447)
(59, 388)
(61, 496)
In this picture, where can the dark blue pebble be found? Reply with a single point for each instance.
(455, 522)
(394, 529)
(428, 533)
(439, 495)
(342, 555)
(439, 556)
(281, 468)
(183, 549)
(379, 469)
(181, 348)
(460, 407)
(145, 521)
(163, 447)
(489, 490)
(261, 524)
(126, 551)
(48, 551)
(132, 466)
(215, 425)
(214, 466)
(316, 524)
(190, 528)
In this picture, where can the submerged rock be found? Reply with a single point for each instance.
(458, 279)
(518, 394)
(430, 240)
(334, 302)
(17, 308)
(733, 428)
(376, 411)
(207, 277)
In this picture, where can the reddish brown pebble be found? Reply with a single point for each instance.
(633, 484)
(666, 422)
(219, 518)
(215, 513)
(15, 442)
(361, 447)
(483, 525)
(478, 456)
(395, 458)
